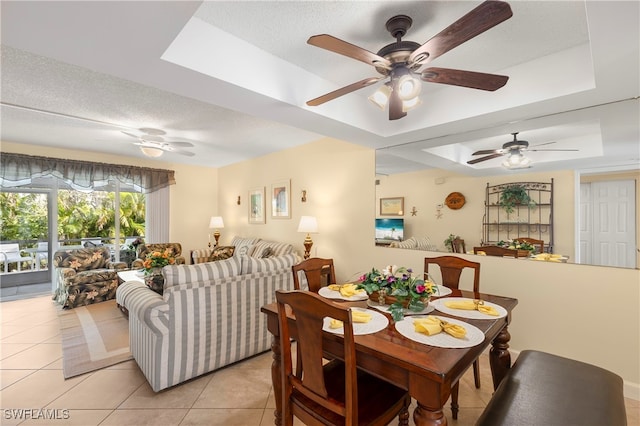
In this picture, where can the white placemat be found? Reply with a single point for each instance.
(442, 291)
(443, 340)
(466, 313)
(333, 294)
(385, 308)
(378, 322)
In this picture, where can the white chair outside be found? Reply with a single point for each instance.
(10, 253)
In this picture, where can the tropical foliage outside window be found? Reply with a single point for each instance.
(80, 215)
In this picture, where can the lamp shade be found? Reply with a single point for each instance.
(216, 222)
(308, 224)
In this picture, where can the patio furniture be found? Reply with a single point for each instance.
(11, 253)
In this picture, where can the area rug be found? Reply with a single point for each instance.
(93, 337)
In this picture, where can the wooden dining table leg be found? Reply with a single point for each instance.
(430, 402)
(499, 357)
(276, 371)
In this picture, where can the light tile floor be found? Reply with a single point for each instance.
(31, 377)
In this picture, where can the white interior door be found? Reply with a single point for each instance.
(607, 223)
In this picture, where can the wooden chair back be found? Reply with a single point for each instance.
(538, 244)
(310, 310)
(458, 246)
(319, 272)
(451, 268)
(496, 251)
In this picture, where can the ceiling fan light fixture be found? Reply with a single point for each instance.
(408, 87)
(411, 104)
(516, 161)
(151, 152)
(381, 96)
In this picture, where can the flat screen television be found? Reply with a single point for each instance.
(389, 230)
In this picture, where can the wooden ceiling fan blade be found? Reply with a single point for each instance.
(552, 150)
(471, 79)
(344, 90)
(488, 151)
(395, 104)
(349, 50)
(488, 157)
(487, 15)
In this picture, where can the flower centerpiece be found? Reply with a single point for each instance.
(396, 284)
(153, 264)
(517, 245)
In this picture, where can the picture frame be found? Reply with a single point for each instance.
(281, 199)
(257, 205)
(392, 206)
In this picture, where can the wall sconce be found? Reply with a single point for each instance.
(238, 202)
(216, 223)
(308, 224)
(304, 196)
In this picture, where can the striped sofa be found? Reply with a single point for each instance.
(208, 316)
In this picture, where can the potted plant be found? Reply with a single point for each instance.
(448, 243)
(514, 195)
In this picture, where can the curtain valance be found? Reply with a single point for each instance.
(20, 169)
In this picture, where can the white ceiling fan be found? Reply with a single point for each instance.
(153, 144)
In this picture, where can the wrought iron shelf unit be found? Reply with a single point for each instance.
(533, 220)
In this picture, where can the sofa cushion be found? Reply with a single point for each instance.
(253, 264)
(424, 243)
(201, 272)
(410, 243)
(243, 245)
(277, 249)
(221, 253)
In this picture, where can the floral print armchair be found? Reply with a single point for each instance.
(85, 276)
(144, 249)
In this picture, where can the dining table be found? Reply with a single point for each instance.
(427, 372)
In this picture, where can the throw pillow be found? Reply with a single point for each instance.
(221, 253)
(267, 252)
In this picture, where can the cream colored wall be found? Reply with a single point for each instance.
(338, 178)
(421, 191)
(193, 197)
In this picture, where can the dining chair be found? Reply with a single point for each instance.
(451, 268)
(458, 246)
(539, 244)
(496, 251)
(318, 272)
(334, 392)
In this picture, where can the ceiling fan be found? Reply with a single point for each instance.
(401, 60)
(153, 144)
(514, 149)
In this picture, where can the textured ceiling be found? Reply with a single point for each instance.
(233, 78)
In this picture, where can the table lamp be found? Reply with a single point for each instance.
(308, 224)
(217, 224)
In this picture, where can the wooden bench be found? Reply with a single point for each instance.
(545, 389)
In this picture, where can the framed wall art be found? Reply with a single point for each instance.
(392, 206)
(281, 200)
(257, 205)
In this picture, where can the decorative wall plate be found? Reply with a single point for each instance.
(455, 200)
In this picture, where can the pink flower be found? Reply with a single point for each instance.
(420, 288)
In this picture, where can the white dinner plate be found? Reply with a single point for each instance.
(467, 313)
(442, 291)
(473, 337)
(140, 273)
(378, 322)
(333, 294)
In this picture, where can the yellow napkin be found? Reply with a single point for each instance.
(356, 316)
(432, 325)
(548, 257)
(347, 290)
(472, 305)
